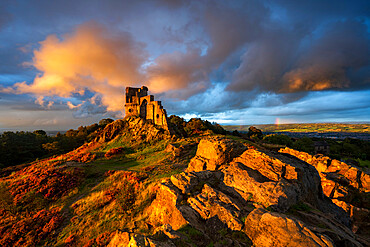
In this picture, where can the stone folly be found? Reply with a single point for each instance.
(139, 103)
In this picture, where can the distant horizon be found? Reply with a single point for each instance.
(2, 130)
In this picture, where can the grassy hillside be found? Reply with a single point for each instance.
(82, 197)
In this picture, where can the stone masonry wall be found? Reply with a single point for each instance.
(139, 103)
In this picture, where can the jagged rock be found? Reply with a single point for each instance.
(360, 217)
(324, 165)
(274, 229)
(125, 239)
(164, 209)
(173, 149)
(211, 203)
(167, 230)
(272, 180)
(120, 239)
(185, 181)
(217, 194)
(322, 223)
(135, 126)
(213, 152)
(347, 186)
(142, 241)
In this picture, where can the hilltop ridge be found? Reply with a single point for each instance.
(307, 127)
(136, 184)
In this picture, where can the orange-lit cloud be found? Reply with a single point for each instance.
(313, 79)
(177, 70)
(88, 59)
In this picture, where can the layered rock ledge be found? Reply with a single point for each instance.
(347, 186)
(274, 198)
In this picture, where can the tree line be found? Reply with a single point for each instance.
(347, 149)
(21, 146)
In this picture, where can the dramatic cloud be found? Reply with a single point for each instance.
(200, 57)
(177, 71)
(270, 48)
(333, 61)
(89, 59)
(332, 56)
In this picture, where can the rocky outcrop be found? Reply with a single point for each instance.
(273, 229)
(166, 207)
(347, 186)
(248, 191)
(272, 179)
(138, 128)
(213, 203)
(338, 171)
(213, 152)
(125, 239)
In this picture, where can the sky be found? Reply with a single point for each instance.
(66, 63)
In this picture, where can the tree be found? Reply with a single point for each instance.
(254, 133)
(278, 139)
(194, 125)
(105, 121)
(177, 121)
(40, 132)
(304, 144)
(51, 147)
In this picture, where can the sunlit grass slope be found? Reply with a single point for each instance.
(82, 197)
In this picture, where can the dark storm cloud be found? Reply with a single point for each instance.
(334, 60)
(318, 10)
(283, 63)
(225, 30)
(324, 52)
(5, 16)
(271, 46)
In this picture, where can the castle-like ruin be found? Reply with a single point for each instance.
(139, 103)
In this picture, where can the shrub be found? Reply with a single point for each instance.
(304, 144)
(114, 151)
(278, 139)
(254, 133)
(126, 191)
(126, 196)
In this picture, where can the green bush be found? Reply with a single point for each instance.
(126, 196)
(304, 144)
(278, 139)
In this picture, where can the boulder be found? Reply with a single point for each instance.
(347, 186)
(185, 181)
(120, 239)
(214, 151)
(267, 229)
(211, 203)
(165, 208)
(355, 177)
(272, 180)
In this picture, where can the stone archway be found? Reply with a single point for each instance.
(143, 108)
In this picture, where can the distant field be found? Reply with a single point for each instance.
(314, 127)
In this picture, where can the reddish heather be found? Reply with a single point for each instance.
(31, 230)
(26, 218)
(114, 151)
(49, 181)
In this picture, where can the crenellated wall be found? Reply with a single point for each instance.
(139, 103)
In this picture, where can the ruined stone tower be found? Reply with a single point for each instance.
(139, 103)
